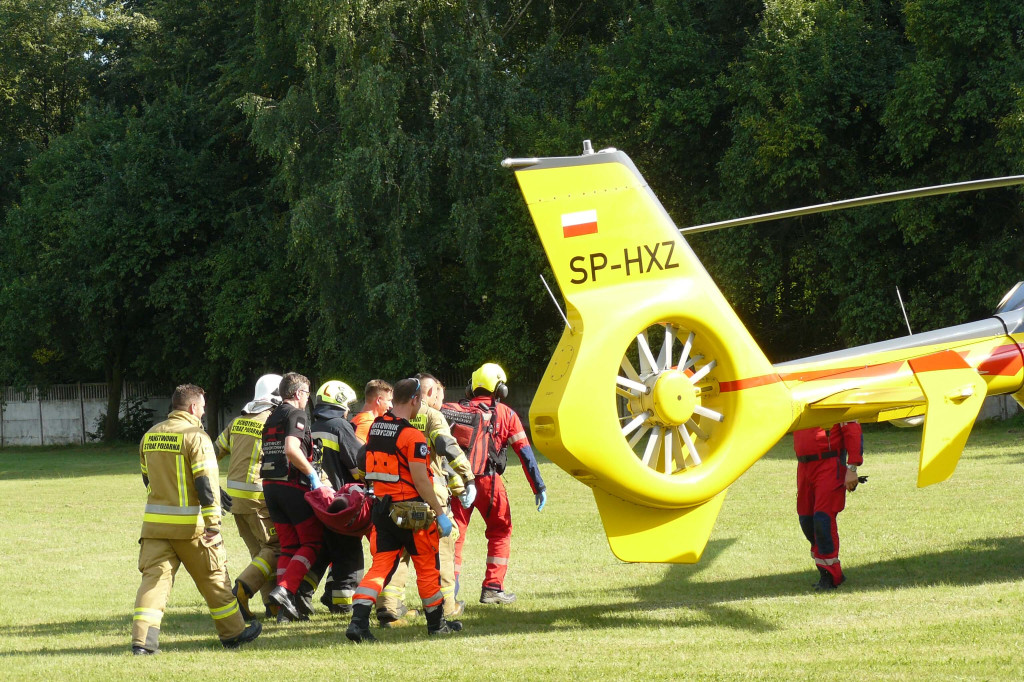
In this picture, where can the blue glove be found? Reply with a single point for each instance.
(540, 499)
(314, 480)
(444, 524)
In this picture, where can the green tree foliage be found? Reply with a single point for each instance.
(206, 192)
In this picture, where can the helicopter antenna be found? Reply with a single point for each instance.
(904, 309)
(951, 188)
(555, 301)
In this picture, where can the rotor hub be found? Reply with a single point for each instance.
(671, 397)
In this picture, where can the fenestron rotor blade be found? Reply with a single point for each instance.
(703, 372)
(652, 444)
(685, 435)
(637, 421)
(641, 389)
(667, 442)
(950, 188)
(693, 361)
(627, 368)
(640, 433)
(647, 362)
(705, 412)
(665, 356)
(687, 347)
(699, 432)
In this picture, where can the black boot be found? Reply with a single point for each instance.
(359, 629)
(436, 624)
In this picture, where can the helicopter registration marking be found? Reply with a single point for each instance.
(635, 260)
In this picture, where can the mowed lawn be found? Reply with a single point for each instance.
(935, 587)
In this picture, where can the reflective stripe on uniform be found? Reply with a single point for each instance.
(365, 595)
(198, 466)
(386, 478)
(342, 596)
(168, 518)
(209, 511)
(248, 491)
(161, 513)
(327, 439)
(825, 562)
(262, 565)
(432, 602)
(497, 560)
(149, 615)
(182, 490)
(516, 437)
(176, 511)
(225, 611)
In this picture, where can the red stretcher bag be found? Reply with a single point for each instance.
(346, 511)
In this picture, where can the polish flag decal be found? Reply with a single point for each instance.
(579, 223)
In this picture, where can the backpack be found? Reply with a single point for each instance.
(472, 425)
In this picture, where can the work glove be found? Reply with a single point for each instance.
(225, 501)
(314, 480)
(468, 495)
(444, 525)
(540, 499)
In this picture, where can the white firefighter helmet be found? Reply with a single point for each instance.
(266, 387)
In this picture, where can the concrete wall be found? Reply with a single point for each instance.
(62, 414)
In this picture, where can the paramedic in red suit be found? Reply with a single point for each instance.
(492, 498)
(826, 469)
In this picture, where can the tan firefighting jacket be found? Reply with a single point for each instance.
(451, 479)
(174, 455)
(242, 438)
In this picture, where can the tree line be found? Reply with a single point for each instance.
(209, 191)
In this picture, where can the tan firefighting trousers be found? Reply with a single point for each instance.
(158, 562)
(257, 532)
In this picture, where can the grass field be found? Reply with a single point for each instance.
(935, 586)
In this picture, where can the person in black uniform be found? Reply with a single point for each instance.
(288, 472)
(340, 449)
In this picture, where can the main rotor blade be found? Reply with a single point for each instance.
(951, 188)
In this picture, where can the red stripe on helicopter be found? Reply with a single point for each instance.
(579, 223)
(1001, 361)
(938, 362)
(1004, 361)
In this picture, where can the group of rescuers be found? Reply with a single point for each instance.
(399, 445)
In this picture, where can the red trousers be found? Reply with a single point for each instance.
(387, 541)
(492, 503)
(298, 529)
(820, 496)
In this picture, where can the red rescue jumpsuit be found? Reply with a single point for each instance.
(821, 488)
(492, 498)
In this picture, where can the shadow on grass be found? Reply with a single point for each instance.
(678, 600)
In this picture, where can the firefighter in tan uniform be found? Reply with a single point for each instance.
(453, 476)
(242, 439)
(181, 525)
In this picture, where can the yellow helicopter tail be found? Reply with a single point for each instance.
(657, 397)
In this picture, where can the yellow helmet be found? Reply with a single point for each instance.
(335, 392)
(491, 378)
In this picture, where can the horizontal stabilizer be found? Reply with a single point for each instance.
(648, 535)
(954, 392)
